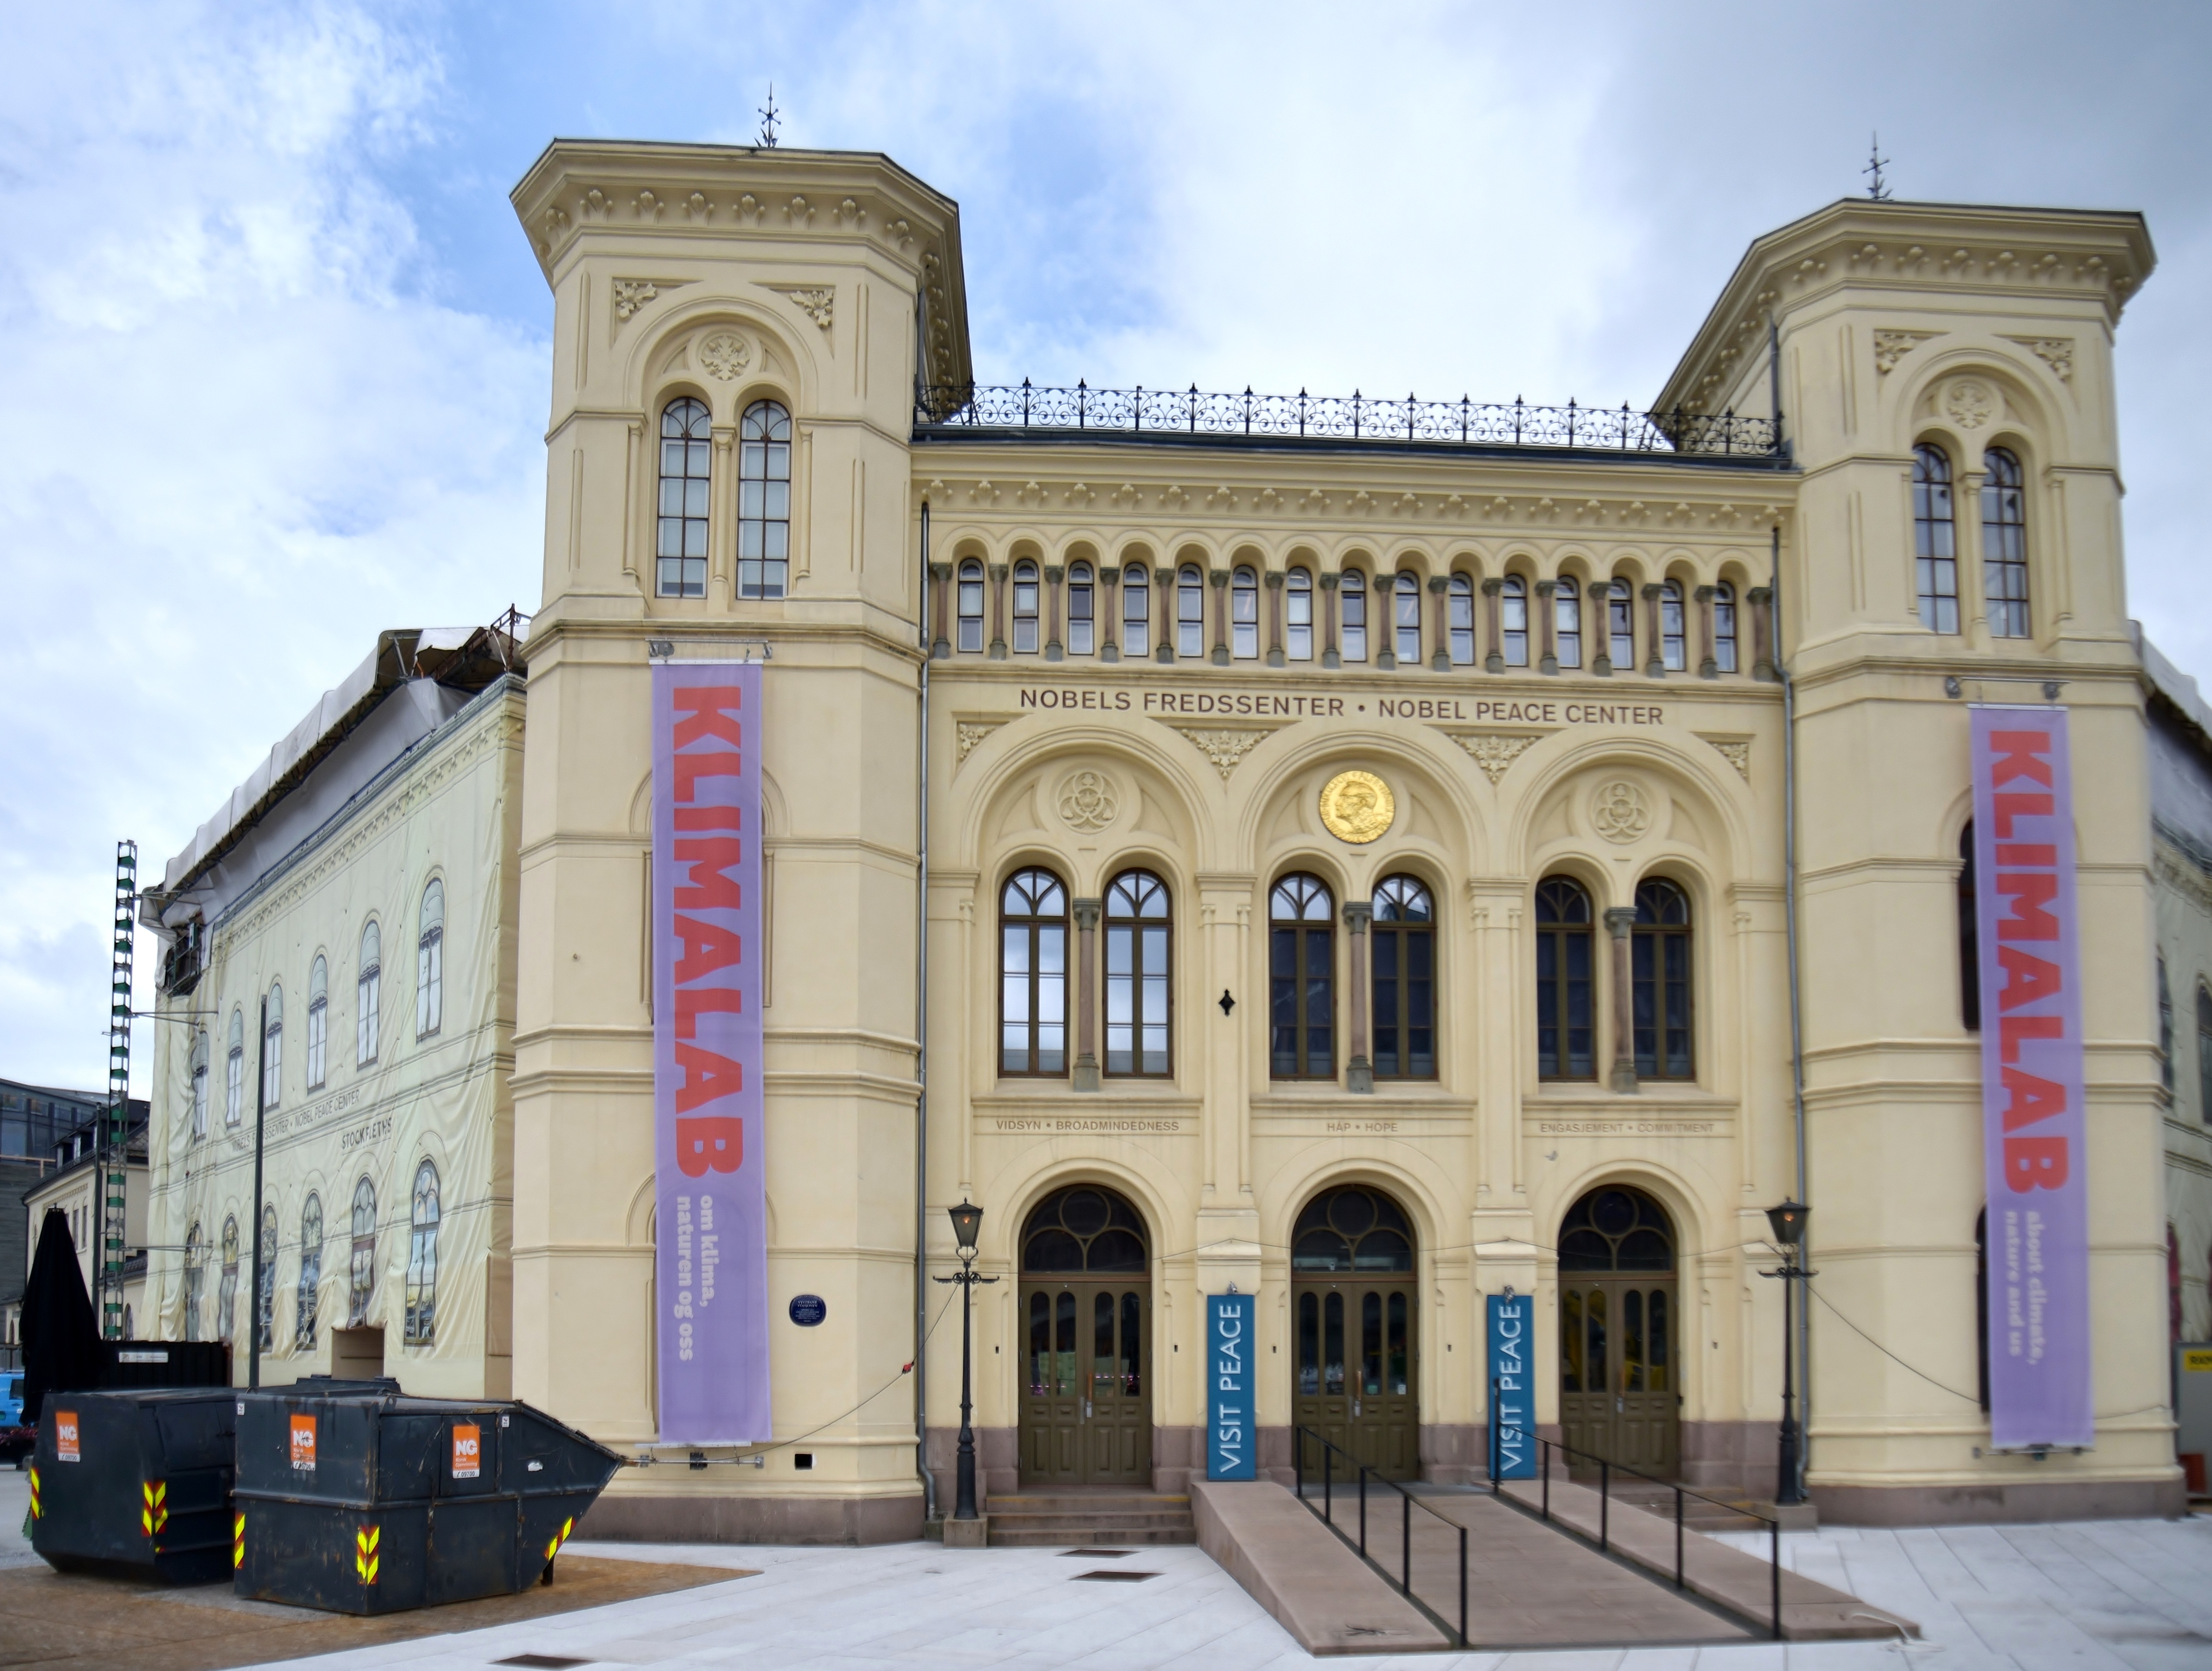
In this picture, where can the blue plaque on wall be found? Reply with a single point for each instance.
(1512, 1392)
(808, 1310)
(1231, 1438)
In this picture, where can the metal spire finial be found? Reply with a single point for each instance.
(768, 115)
(1877, 188)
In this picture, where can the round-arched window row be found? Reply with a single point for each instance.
(2004, 541)
(682, 513)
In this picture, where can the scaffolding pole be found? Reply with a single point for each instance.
(115, 1128)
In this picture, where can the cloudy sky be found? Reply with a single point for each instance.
(273, 351)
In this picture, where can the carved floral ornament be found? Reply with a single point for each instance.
(1970, 402)
(725, 354)
(1088, 802)
(1620, 811)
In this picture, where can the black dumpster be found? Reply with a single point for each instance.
(354, 1498)
(135, 1483)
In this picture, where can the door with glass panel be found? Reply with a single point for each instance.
(1354, 1325)
(1085, 1323)
(1620, 1332)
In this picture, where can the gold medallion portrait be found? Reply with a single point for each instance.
(1357, 807)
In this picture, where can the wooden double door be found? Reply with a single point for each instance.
(1620, 1372)
(1354, 1370)
(1086, 1372)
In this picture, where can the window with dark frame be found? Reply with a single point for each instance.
(264, 1297)
(1136, 611)
(1659, 958)
(687, 451)
(1404, 956)
(1027, 588)
(1244, 614)
(1298, 615)
(422, 1323)
(1461, 602)
(1565, 999)
(1190, 612)
(1674, 636)
(1033, 975)
(2204, 1055)
(1513, 620)
(1935, 539)
(1620, 625)
(361, 1278)
(1301, 979)
(1139, 989)
(311, 1273)
(1407, 619)
(968, 603)
(367, 991)
(1351, 604)
(764, 501)
(1724, 657)
(2004, 544)
(2165, 1026)
(1567, 621)
(1082, 610)
(318, 1023)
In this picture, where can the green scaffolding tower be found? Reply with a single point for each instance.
(115, 1129)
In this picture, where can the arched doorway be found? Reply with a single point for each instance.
(1620, 1331)
(1086, 1321)
(1355, 1317)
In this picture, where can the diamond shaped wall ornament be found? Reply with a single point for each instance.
(1494, 752)
(1226, 746)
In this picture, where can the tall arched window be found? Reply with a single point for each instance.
(1462, 620)
(969, 604)
(272, 1047)
(233, 1090)
(1298, 615)
(1660, 962)
(2165, 1027)
(1724, 658)
(226, 1301)
(195, 1280)
(2004, 544)
(763, 500)
(431, 962)
(1352, 603)
(1567, 621)
(1139, 993)
(1190, 611)
(1935, 539)
(318, 1023)
(1406, 616)
(264, 1296)
(1674, 639)
(1513, 619)
(1027, 588)
(311, 1273)
(1301, 979)
(1033, 974)
(2204, 1055)
(361, 1278)
(1404, 933)
(421, 1329)
(1620, 626)
(687, 449)
(1970, 954)
(1082, 610)
(1244, 614)
(1564, 1000)
(200, 1082)
(1349, 1230)
(366, 996)
(1136, 611)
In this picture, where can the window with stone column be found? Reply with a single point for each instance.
(1301, 979)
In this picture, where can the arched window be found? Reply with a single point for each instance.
(311, 1273)
(969, 604)
(1406, 616)
(264, 1297)
(362, 1286)
(272, 1048)
(1969, 954)
(1083, 1231)
(2004, 544)
(225, 1302)
(200, 1082)
(318, 1023)
(2204, 1055)
(1724, 659)
(233, 1090)
(1935, 540)
(366, 996)
(1660, 961)
(1620, 626)
(1616, 1229)
(430, 962)
(1139, 992)
(1026, 589)
(1298, 615)
(1513, 616)
(687, 436)
(1567, 621)
(1352, 601)
(1190, 611)
(2165, 1027)
(1673, 641)
(1033, 974)
(1301, 979)
(1565, 998)
(1244, 614)
(421, 1327)
(1404, 933)
(195, 1280)
(1082, 610)
(1350, 1230)
(763, 500)
(1462, 620)
(1136, 611)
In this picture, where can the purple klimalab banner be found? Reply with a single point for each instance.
(708, 1116)
(2033, 1130)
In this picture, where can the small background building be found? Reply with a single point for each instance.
(39, 1126)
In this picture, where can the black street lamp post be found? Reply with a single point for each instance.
(967, 1219)
(1788, 1223)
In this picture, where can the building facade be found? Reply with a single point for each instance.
(48, 1141)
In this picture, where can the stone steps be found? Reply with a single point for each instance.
(1044, 1520)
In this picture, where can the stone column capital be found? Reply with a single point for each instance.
(1109, 577)
(1164, 576)
(941, 571)
(1054, 573)
(1274, 579)
(1438, 582)
(1494, 585)
(1086, 911)
(1357, 914)
(1619, 919)
(1546, 588)
(1218, 577)
(1329, 580)
(1705, 594)
(998, 571)
(1760, 594)
(1652, 588)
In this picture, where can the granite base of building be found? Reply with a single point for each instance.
(1731, 1458)
(636, 1517)
(1977, 1505)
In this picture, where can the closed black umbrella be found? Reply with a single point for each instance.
(61, 1336)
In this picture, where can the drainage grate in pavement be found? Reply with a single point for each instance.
(1109, 1575)
(1097, 1554)
(542, 1662)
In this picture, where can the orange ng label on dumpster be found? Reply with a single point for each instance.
(303, 1443)
(65, 1446)
(468, 1450)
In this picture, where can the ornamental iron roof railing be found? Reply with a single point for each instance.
(1168, 414)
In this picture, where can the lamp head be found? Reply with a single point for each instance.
(1788, 1223)
(966, 1220)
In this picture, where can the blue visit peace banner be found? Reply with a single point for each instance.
(1512, 1394)
(1230, 1437)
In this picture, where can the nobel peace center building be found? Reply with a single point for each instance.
(1404, 864)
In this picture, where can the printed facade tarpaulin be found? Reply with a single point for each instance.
(709, 1116)
(2032, 1082)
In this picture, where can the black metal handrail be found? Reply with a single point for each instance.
(1407, 1502)
(1606, 1468)
(1168, 413)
